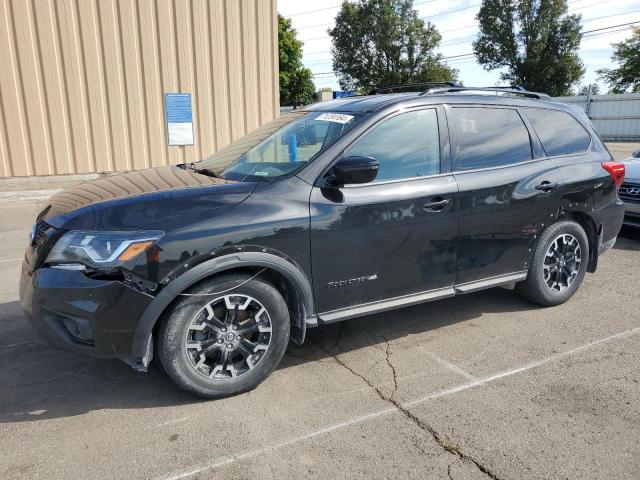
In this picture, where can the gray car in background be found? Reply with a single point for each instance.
(630, 190)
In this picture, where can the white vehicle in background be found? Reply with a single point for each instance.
(630, 190)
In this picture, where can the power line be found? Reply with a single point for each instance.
(313, 26)
(468, 56)
(583, 33)
(446, 42)
(443, 58)
(451, 11)
(311, 11)
(331, 23)
(612, 26)
(457, 56)
(609, 16)
(603, 34)
(338, 6)
(454, 40)
(443, 31)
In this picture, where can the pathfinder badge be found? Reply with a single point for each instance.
(351, 281)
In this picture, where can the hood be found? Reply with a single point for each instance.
(631, 170)
(131, 200)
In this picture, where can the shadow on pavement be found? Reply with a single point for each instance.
(332, 339)
(628, 239)
(40, 382)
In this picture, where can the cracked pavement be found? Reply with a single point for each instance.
(481, 386)
(438, 438)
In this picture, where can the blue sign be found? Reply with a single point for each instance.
(179, 118)
(340, 94)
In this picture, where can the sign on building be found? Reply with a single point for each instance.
(179, 118)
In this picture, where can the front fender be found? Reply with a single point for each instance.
(140, 346)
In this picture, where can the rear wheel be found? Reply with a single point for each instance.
(558, 265)
(226, 337)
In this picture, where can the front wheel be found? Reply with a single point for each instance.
(558, 265)
(226, 337)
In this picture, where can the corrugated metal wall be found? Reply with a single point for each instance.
(615, 117)
(82, 81)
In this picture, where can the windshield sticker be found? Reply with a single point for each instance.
(261, 174)
(334, 117)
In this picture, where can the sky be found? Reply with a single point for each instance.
(455, 19)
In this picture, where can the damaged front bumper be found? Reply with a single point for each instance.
(81, 314)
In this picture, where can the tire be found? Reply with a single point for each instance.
(189, 339)
(543, 269)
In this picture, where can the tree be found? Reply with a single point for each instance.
(534, 40)
(383, 42)
(296, 86)
(591, 89)
(625, 78)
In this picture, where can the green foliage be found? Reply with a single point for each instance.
(625, 78)
(296, 86)
(383, 42)
(534, 40)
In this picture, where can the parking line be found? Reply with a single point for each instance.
(171, 422)
(11, 260)
(227, 459)
(451, 366)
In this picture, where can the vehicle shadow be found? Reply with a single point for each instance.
(628, 239)
(333, 339)
(40, 382)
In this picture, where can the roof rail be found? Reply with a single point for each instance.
(509, 90)
(515, 87)
(417, 86)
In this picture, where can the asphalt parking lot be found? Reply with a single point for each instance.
(481, 386)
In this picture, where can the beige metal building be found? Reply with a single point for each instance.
(82, 82)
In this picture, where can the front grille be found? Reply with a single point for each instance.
(40, 234)
(629, 192)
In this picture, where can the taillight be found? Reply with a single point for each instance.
(616, 170)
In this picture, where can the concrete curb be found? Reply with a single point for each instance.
(25, 195)
(45, 182)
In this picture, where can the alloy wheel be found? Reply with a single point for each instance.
(228, 337)
(562, 262)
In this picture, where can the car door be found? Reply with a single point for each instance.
(508, 190)
(396, 235)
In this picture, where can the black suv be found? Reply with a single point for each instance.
(342, 209)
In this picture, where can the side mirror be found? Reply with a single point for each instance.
(353, 170)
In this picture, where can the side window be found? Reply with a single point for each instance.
(406, 146)
(489, 137)
(559, 132)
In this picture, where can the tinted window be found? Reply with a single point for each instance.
(279, 147)
(406, 146)
(559, 132)
(489, 137)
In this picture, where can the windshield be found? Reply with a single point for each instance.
(278, 148)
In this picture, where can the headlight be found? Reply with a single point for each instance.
(101, 249)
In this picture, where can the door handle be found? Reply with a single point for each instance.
(546, 186)
(437, 205)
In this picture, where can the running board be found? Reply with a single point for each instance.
(414, 299)
(490, 282)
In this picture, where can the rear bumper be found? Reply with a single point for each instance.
(608, 222)
(93, 317)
